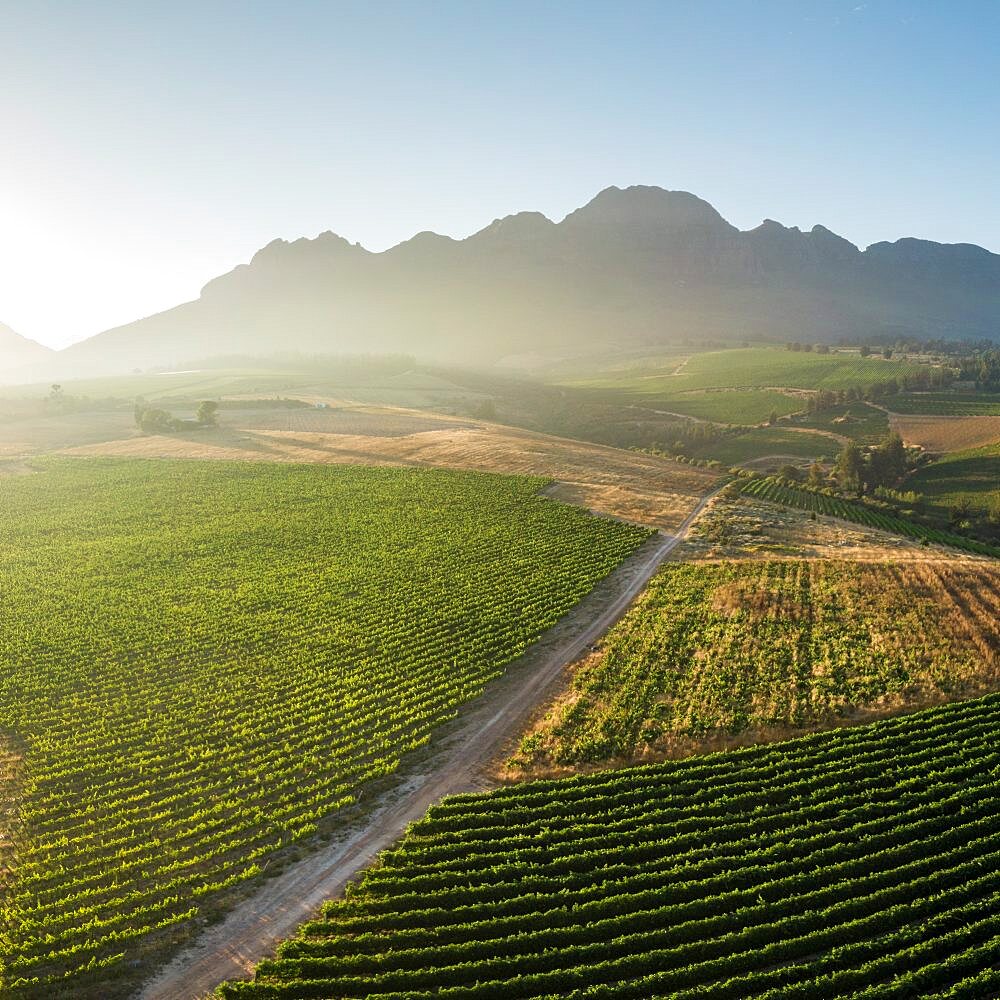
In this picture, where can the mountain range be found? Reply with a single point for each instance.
(635, 266)
(17, 351)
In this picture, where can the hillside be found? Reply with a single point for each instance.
(17, 351)
(635, 266)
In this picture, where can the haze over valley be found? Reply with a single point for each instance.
(635, 267)
(597, 602)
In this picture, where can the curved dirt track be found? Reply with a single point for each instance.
(459, 753)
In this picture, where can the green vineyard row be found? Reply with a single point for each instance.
(861, 862)
(203, 661)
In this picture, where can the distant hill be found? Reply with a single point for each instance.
(634, 266)
(17, 351)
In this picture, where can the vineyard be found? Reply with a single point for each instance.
(947, 404)
(757, 367)
(203, 662)
(859, 863)
(715, 650)
(770, 488)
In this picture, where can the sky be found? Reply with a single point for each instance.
(148, 147)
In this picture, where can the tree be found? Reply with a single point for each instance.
(865, 351)
(822, 348)
(817, 475)
(887, 353)
(850, 467)
(962, 513)
(154, 421)
(56, 398)
(772, 418)
(791, 472)
(887, 462)
(207, 414)
(894, 450)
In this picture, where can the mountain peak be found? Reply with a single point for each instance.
(521, 226)
(326, 244)
(16, 350)
(645, 207)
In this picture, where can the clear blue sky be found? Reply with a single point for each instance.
(147, 147)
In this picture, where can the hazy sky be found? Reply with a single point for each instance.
(147, 147)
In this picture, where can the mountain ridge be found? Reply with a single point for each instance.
(634, 265)
(17, 351)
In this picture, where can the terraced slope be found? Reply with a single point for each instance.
(857, 863)
(204, 662)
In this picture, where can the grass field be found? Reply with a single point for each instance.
(759, 442)
(972, 475)
(858, 863)
(730, 406)
(858, 421)
(947, 404)
(205, 661)
(757, 367)
(750, 376)
(716, 650)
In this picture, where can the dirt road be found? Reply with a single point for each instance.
(232, 948)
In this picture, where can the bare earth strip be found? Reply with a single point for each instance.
(456, 763)
(11, 777)
(630, 485)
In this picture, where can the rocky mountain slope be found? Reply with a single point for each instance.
(635, 266)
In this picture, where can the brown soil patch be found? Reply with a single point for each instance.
(945, 434)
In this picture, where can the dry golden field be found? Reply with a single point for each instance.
(945, 434)
(747, 528)
(717, 654)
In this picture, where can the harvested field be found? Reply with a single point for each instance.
(946, 434)
(30, 436)
(642, 488)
